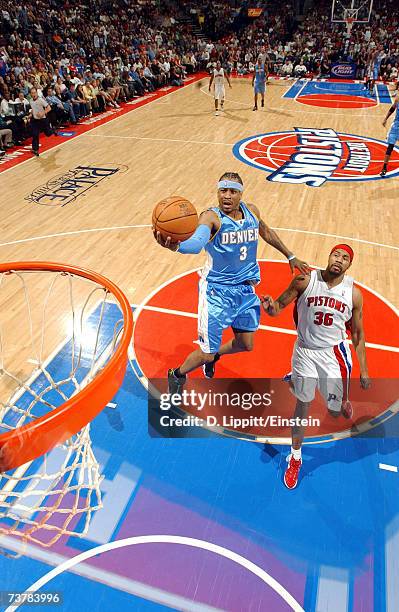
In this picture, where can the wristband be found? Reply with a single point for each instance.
(291, 257)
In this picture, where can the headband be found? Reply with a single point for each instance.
(230, 185)
(344, 247)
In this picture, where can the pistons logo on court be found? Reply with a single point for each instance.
(311, 157)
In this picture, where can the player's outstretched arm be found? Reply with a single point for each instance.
(275, 241)
(391, 110)
(295, 289)
(358, 338)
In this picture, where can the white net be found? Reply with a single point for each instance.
(49, 350)
(359, 10)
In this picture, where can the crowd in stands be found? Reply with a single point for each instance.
(309, 47)
(86, 58)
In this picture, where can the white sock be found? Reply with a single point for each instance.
(296, 453)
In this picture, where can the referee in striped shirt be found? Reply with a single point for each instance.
(39, 121)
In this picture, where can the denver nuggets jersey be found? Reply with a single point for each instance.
(396, 118)
(323, 312)
(260, 75)
(232, 251)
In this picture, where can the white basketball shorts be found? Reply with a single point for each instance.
(327, 369)
(219, 92)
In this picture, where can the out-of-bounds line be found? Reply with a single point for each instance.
(281, 330)
(168, 539)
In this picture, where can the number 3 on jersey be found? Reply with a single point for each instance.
(243, 253)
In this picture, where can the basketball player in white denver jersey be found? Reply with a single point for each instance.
(327, 304)
(218, 76)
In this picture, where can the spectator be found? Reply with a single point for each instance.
(80, 97)
(287, 69)
(137, 82)
(65, 98)
(90, 97)
(300, 69)
(21, 105)
(5, 137)
(58, 114)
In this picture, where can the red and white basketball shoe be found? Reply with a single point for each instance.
(292, 472)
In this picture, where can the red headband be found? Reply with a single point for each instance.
(344, 247)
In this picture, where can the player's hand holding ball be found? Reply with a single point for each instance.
(174, 219)
(165, 242)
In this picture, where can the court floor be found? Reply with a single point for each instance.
(204, 522)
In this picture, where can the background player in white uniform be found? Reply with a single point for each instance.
(218, 76)
(369, 83)
(229, 234)
(327, 302)
(393, 135)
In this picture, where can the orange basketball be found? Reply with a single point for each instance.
(175, 217)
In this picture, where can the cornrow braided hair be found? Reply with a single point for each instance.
(232, 176)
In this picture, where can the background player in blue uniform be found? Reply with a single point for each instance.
(259, 82)
(229, 234)
(393, 134)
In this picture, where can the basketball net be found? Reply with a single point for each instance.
(57, 493)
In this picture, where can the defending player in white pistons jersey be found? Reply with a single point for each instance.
(323, 313)
(327, 301)
(217, 77)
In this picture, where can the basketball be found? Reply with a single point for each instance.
(175, 217)
(199, 84)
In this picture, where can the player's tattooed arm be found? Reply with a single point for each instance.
(391, 110)
(295, 289)
(358, 338)
(272, 238)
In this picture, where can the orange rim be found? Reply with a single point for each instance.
(36, 438)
